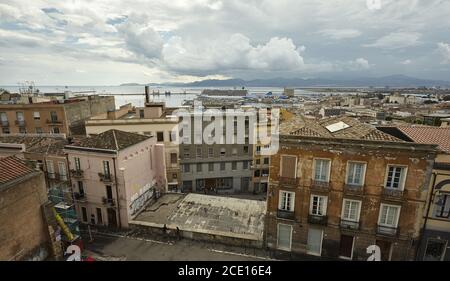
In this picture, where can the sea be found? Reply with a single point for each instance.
(135, 94)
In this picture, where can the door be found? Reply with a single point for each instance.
(385, 249)
(346, 247)
(314, 246)
(112, 219)
(284, 237)
(109, 195)
(435, 250)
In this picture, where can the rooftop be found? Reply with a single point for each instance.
(111, 140)
(428, 135)
(343, 127)
(12, 168)
(37, 144)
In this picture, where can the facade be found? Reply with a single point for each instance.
(208, 165)
(52, 117)
(338, 186)
(153, 119)
(435, 239)
(24, 232)
(114, 175)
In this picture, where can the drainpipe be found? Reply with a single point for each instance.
(117, 191)
(430, 201)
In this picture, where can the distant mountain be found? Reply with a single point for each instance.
(386, 81)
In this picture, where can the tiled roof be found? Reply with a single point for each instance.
(38, 144)
(318, 128)
(428, 135)
(111, 139)
(12, 168)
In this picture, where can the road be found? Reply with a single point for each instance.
(107, 247)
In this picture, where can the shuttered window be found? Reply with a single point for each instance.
(288, 166)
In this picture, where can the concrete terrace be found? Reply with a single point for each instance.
(206, 215)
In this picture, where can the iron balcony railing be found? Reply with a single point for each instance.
(322, 186)
(54, 121)
(77, 173)
(108, 201)
(288, 181)
(79, 196)
(387, 230)
(105, 177)
(20, 123)
(4, 123)
(348, 224)
(352, 189)
(393, 194)
(316, 219)
(285, 214)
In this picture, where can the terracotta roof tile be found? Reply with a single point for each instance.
(428, 135)
(12, 168)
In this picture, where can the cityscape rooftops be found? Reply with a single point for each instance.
(13, 169)
(49, 144)
(428, 135)
(109, 140)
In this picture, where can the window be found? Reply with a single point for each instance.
(245, 149)
(222, 166)
(22, 130)
(389, 215)
(322, 170)
(199, 152)
(284, 237)
(173, 136)
(3, 118)
(442, 206)
(258, 161)
(36, 115)
(99, 216)
(210, 152)
(266, 161)
(351, 210)
(257, 173)
(318, 205)
(141, 113)
(106, 170)
(288, 166)
(173, 158)
(77, 164)
(286, 201)
(355, 173)
(50, 169)
(245, 165)
(80, 188)
(55, 130)
(395, 177)
(84, 214)
(174, 176)
(19, 117)
(62, 171)
(53, 116)
(223, 151)
(199, 167)
(258, 149)
(38, 130)
(186, 168)
(159, 136)
(234, 151)
(211, 167)
(265, 172)
(5, 130)
(435, 250)
(234, 165)
(186, 153)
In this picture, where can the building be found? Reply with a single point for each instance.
(24, 231)
(435, 238)
(214, 164)
(154, 119)
(114, 174)
(53, 117)
(224, 93)
(338, 186)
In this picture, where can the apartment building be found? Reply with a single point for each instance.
(114, 175)
(212, 164)
(53, 117)
(153, 119)
(435, 238)
(338, 186)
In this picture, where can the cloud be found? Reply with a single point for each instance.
(339, 34)
(232, 53)
(406, 62)
(396, 40)
(444, 50)
(359, 64)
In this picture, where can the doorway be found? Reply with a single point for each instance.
(346, 247)
(385, 249)
(112, 219)
(314, 246)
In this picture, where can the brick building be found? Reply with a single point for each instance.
(338, 186)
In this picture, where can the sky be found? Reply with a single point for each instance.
(109, 42)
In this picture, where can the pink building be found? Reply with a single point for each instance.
(114, 175)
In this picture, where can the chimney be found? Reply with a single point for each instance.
(147, 93)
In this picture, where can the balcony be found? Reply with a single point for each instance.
(105, 177)
(108, 201)
(387, 230)
(4, 123)
(350, 225)
(351, 189)
(77, 173)
(316, 219)
(20, 123)
(54, 121)
(288, 181)
(320, 186)
(79, 196)
(393, 194)
(284, 214)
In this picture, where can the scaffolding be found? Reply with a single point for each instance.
(65, 214)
